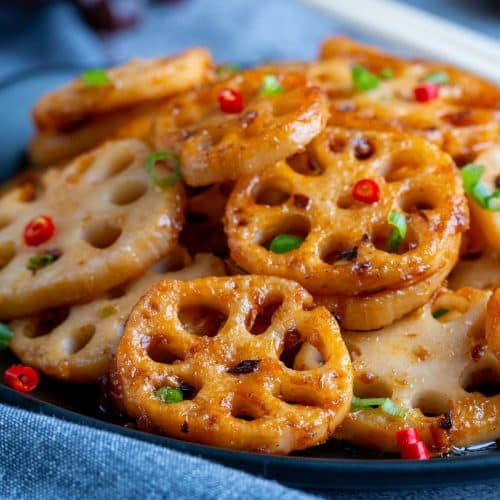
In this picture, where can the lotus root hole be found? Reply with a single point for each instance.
(298, 395)
(118, 291)
(294, 224)
(370, 385)
(27, 192)
(119, 164)
(272, 192)
(79, 338)
(297, 354)
(484, 380)
(242, 410)
(305, 164)
(173, 262)
(381, 236)
(201, 320)
(47, 321)
(128, 191)
(448, 307)
(432, 403)
(337, 144)
(402, 165)
(101, 233)
(338, 251)
(160, 352)
(260, 318)
(7, 253)
(363, 148)
(417, 201)
(346, 202)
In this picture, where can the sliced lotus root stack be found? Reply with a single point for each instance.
(216, 146)
(228, 344)
(111, 221)
(488, 221)
(463, 119)
(435, 363)
(130, 84)
(75, 344)
(203, 230)
(344, 251)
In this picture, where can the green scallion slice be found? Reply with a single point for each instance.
(41, 260)
(176, 172)
(386, 74)
(440, 312)
(439, 77)
(398, 232)
(95, 78)
(364, 79)
(284, 243)
(385, 404)
(6, 335)
(271, 85)
(169, 395)
(479, 192)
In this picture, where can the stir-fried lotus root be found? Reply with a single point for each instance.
(76, 343)
(137, 81)
(489, 220)
(437, 364)
(463, 118)
(216, 146)
(344, 251)
(493, 323)
(111, 224)
(228, 345)
(477, 270)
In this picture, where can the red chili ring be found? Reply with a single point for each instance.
(407, 436)
(366, 191)
(230, 101)
(21, 378)
(415, 451)
(426, 91)
(39, 230)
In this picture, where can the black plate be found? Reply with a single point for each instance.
(331, 466)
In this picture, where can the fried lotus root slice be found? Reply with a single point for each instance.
(137, 81)
(215, 146)
(435, 363)
(477, 271)
(112, 223)
(76, 344)
(463, 120)
(488, 220)
(228, 344)
(344, 251)
(493, 323)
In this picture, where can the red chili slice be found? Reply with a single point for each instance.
(39, 230)
(366, 191)
(230, 101)
(21, 378)
(415, 451)
(407, 436)
(426, 91)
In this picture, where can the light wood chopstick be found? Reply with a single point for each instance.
(425, 34)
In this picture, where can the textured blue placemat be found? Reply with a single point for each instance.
(43, 457)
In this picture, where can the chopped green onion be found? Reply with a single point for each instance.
(479, 192)
(226, 70)
(6, 335)
(440, 312)
(439, 77)
(166, 181)
(41, 260)
(386, 74)
(95, 78)
(398, 232)
(385, 404)
(284, 243)
(364, 79)
(271, 85)
(107, 311)
(169, 395)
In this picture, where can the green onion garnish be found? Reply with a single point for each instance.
(284, 242)
(471, 178)
(42, 260)
(169, 395)
(364, 79)
(166, 181)
(440, 312)
(385, 404)
(270, 85)
(6, 335)
(439, 77)
(398, 232)
(95, 78)
(107, 311)
(386, 74)
(226, 70)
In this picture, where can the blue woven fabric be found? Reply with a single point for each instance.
(43, 457)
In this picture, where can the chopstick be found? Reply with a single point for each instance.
(416, 30)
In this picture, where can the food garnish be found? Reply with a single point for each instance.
(479, 192)
(6, 335)
(366, 191)
(271, 85)
(230, 101)
(364, 79)
(398, 232)
(169, 395)
(411, 445)
(425, 92)
(174, 159)
(21, 378)
(95, 78)
(39, 230)
(284, 243)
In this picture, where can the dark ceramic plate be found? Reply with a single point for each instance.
(332, 466)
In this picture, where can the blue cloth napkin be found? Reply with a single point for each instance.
(43, 457)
